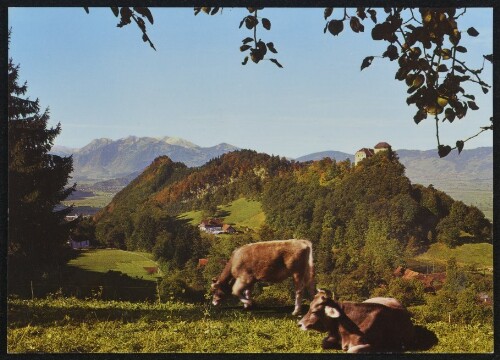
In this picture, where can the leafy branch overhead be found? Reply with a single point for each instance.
(257, 48)
(137, 14)
(426, 45)
(426, 42)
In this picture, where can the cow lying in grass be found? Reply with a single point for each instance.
(376, 325)
(269, 261)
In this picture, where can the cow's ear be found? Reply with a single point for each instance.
(332, 312)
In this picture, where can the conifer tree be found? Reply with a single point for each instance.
(37, 185)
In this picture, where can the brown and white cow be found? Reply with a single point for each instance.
(375, 325)
(268, 261)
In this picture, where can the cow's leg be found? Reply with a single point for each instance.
(360, 348)
(299, 291)
(311, 288)
(241, 290)
(330, 342)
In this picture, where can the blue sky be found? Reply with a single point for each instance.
(102, 81)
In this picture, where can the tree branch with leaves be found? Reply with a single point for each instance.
(424, 41)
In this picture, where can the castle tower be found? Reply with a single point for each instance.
(382, 146)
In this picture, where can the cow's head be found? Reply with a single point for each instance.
(322, 311)
(218, 293)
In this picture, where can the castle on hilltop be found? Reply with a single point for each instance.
(366, 152)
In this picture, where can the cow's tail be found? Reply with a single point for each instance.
(309, 276)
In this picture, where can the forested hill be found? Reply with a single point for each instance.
(364, 213)
(169, 188)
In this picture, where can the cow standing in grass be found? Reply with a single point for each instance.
(269, 261)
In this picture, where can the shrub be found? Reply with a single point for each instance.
(409, 292)
(174, 287)
(460, 308)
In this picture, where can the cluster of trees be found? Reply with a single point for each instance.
(457, 301)
(37, 185)
(365, 220)
(221, 180)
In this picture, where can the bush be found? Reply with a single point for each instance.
(458, 308)
(409, 292)
(174, 287)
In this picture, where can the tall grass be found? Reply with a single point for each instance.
(67, 325)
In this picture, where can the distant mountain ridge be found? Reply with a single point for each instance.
(424, 166)
(337, 155)
(104, 159)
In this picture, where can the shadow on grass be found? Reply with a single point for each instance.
(265, 309)
(222, 213)
(64, 311)
(424, 339)
(72, 281)
(21, 315)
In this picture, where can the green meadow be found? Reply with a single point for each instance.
(477, 255)
(241, 213)
(130, 263)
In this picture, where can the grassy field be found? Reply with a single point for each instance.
(240, 213)
(97, 324)
(109, 274)
(68, 325)
(479, 255)
(103, 260)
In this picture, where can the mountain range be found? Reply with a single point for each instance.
(105, 159)
(114, 163)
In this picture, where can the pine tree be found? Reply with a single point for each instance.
(37, 185)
